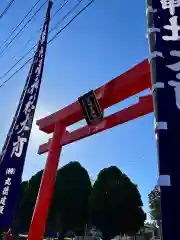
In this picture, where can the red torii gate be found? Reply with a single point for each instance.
(128, 84)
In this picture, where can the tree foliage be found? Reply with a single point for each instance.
(17, 223)
(154, 204)
(69, 207)
(27, 200)
(72, 191)
(115, 204)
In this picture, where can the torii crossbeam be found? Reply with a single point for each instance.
(128, 84)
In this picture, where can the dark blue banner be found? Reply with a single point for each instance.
(14, 151)
(164, 41)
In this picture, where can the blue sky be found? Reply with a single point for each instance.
(105, 41)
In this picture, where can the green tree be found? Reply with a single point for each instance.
(115, 205)
(17, 223)
(69, 206)
(154, 205)
(27, 200)
(70, 200)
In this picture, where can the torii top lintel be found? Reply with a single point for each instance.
(128, 84)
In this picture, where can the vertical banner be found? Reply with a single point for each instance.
(14, 151)
(164, 43)
(15, 116)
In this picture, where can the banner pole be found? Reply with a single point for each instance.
(164, 43)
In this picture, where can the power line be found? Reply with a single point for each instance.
(6, 73)
(55, 27)
(19, 24)
(68, 13)
(25, 25)
(33, 47)
(2, 84)
(52, 39)
(59, 9)
(82, 10)
(6, 9)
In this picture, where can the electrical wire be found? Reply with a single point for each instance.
(52, 29)
(82, 10)
(19, 69)
(52, 39)
(27, 53)
(24, 18)
(53, 16)
(59, 9)
(33, 47)
(6, 9)
(64, 17)
(25, 25)
(69, 12)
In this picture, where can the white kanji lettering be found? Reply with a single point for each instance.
(3, 200)
(174, 27)
(10, 171)
(175, 66)
(150, 10)
(37, 73)
(25, 124)
(153, 30)
(33, 87)
(176, 86)
(16, 128)
(43, 37)
(5, 191)
(171, 5)
(1, 210)
(29, 105)
(155, 54)
(8, 182)
(18, 146)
